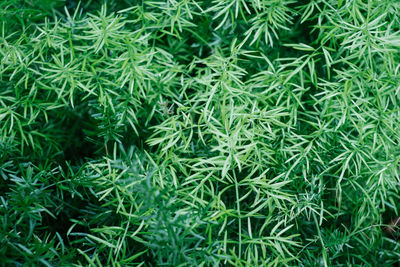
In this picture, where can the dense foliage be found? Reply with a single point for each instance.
(199, 133)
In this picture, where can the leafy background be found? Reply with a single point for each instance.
(188, 132)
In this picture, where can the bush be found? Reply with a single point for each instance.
(199, 133)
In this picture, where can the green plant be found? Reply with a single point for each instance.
(204, 133)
